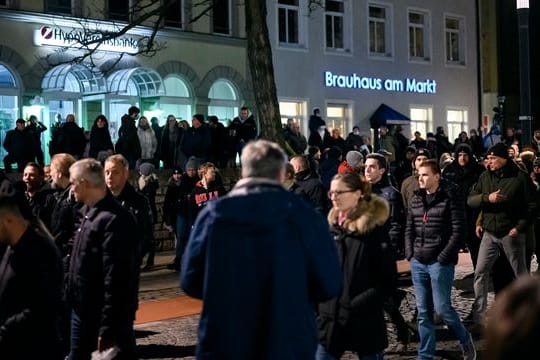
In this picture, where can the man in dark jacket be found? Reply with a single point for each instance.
(265, 248)
(34, 129)
(296, 140)
(307, 185)
(116, 177)
(375, 172)
(18, 145)
(71, 139)
(464, 172)
(104, 268)
(506, 198)
(433, 234)
(245, 129)
(128, 141)
(197, 139)
(30, 284)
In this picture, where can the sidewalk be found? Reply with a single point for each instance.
(173, 336)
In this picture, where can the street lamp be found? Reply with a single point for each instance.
(525, 117)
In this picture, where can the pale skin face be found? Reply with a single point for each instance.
(343, 199)
(31, 178)
(372, 171)
(244, 114)
(495, 162)
(210, 174)
(116, 176)
(463, 159)
(100, 123)
(428, 180)
(419, 160)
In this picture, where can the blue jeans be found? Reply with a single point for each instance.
(84, 338)
(432, 287)
(322, 354)
(183, 225)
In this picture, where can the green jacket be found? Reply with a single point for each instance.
(516, 210)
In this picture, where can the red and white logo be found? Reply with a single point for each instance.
(46, 32)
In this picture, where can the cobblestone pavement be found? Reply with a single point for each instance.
(176, 338)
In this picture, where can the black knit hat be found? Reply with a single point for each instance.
(422, 152)
(463, 148)
(500, 150)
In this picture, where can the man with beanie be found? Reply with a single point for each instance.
(410, 184)
(354, 162)
(464, 172)
(504, 195)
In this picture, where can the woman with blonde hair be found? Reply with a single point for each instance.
(354, 321)
(148, 141)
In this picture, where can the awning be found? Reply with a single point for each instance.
(385, 115)
(74, 78)
(143, 81)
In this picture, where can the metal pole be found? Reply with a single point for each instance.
(525, 117)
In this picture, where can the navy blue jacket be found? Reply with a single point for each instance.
(260, 257)
(104, 268)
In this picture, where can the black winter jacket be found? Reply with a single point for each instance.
(311, 189)
(30, 295)
(397, 213)
(435, 227)
(104, 268)
(355, 320)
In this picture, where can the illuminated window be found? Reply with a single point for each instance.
(419, 44)
(174, 14)
(458, 121)
(454, 29)
(421, 119)
(221, 17)
(178, 100)
(293, 110)
(380, 37)
(337, 117)
(223, 101)
(9, 107)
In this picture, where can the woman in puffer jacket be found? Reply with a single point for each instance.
(147, 139)
(354, 321)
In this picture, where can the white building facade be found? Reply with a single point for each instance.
(348, 57)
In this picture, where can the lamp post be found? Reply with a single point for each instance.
(525, 117)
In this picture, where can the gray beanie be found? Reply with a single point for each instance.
(146, 169)
(192, 163)
(354, 158)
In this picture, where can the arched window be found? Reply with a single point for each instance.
(178, 100)
(9, 105)
(223, 101)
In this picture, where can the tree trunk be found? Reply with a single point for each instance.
(261, 67)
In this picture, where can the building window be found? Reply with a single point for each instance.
(379, 31)
(419, 48)
(223, 101)
(119, 10)
(221, 17)
(337, 117)
(288, 22)
(4, 3)
(293, 110)
(335, 24)
(454, 30)
(9, 107)
(55, 6)
(174, 14)
(457, 122)
(421, 119)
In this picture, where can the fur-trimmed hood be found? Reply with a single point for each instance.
(367, 216)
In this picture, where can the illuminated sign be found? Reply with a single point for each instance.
(354, 81)
(56, 36)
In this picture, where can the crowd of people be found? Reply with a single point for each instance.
(297, 260)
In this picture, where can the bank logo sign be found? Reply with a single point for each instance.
(56, 36)
(370, 83)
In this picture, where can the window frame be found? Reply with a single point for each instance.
(389, 31)
(462, 39)
(346, 28)
(302, 44)
(182, 18)
(464, 123)
(54, 11)
(428, 123)
(229, 21)
(129, 13)
(427, 34)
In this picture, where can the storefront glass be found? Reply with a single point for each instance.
(9, 106)
(223, 101)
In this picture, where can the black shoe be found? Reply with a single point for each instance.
(175, 266)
